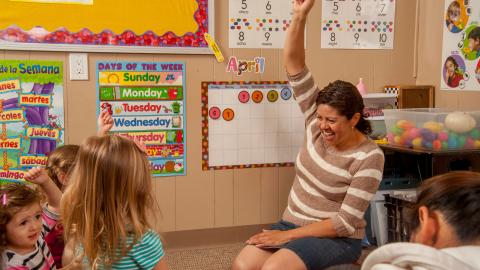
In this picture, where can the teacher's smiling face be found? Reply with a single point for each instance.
(335, 128)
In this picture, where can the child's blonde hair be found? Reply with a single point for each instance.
(60, 161)
(108, 197)
(13, 198)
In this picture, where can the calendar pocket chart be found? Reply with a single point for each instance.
(358, 24)
(254, 124)
(147, 104)
(258, 23)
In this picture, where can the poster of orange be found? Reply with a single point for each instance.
(106, 25)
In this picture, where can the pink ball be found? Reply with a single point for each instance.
(443, 136)
(413, 133)
(470, 143)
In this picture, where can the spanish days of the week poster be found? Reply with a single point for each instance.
(146, 100)
(31, 115)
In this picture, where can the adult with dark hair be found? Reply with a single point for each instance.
(338, 170)
(445, 226)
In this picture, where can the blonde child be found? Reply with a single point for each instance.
(24, 223)
(107, 206)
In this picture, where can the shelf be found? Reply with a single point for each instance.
(379, 96)
(375, 118)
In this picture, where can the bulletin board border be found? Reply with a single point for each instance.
(199, 39)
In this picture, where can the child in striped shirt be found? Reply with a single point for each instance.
(24, 223)
(107, 208)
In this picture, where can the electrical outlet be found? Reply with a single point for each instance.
(78, 66)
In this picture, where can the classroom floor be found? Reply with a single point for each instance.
(220, 258)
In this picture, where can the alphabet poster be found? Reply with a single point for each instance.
(147, 103)
(250, 124)
(31, 115)
(358, 24)
(169, 26)
(460, 68)
(258, 23)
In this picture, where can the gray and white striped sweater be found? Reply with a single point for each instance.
(330, 184)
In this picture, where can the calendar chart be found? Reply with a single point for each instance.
(358, 24)
(258, 23)
(256, 124)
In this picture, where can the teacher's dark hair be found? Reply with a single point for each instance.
(345, 98)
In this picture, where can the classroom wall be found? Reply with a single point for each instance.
(226, 198)
(431, 23)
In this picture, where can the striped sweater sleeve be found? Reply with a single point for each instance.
(305, 91)
(364, 184)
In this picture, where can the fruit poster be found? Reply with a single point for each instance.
(31, 115)
(147, 103)
(168, 26)
(460, 68)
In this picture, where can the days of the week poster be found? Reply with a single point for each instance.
(146, 100)
(31, 115)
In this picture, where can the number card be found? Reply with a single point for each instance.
(245, 125)
(460, 68)
(258, 23)
(147, 103)
(358, 24)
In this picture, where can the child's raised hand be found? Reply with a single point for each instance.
(105, 122)
(37, 175)
(302, 7)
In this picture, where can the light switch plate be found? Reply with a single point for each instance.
(78, 66)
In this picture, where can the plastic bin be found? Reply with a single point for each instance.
(433, 129)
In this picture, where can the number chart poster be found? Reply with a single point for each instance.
(460, 68)
(358, 24)
(31, 115)
(147, 103)
(258, 23)
(106, 25)
(250, 124)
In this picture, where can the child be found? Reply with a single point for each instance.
(24, 223)
(474, 40)
(453, 74)
(453, 19)
(107, 206)
(58, 164)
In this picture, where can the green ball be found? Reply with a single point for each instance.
(475, 134)
(461, 141)
(444, 145)
(397, 130)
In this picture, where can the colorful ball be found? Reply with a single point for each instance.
(413, 133)
(461, 141)
(437, 145)
(442, 136)
(475, 134)
(397, 139)
(405, 124)
(444, 145)
(396, 130)
(452, 143)
(470, 143)
(433, 126)
(476, 144)
(390, 137)
(417, 143)
(427, 134)
(427, 144)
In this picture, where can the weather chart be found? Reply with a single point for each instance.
(147, 102)
(358, 24)
(250, 124)
(31, 115)
(258, 23)
(460, 68)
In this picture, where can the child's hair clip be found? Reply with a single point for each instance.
(4, 199)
